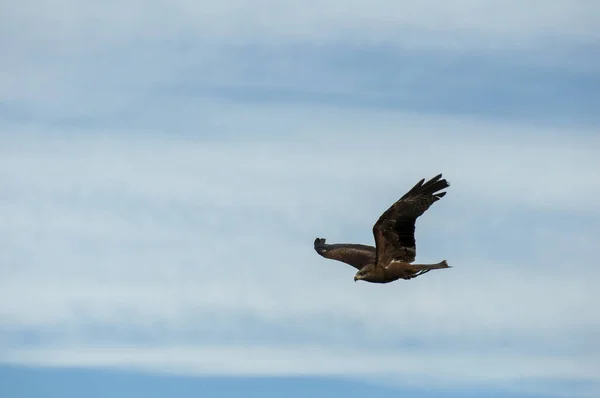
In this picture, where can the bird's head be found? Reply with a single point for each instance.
(361, 274)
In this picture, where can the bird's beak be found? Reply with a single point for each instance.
(356, 278)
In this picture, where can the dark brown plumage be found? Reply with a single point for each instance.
(394, 233)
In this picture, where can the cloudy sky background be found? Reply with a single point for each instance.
(166, 166)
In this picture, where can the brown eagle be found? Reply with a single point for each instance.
(394, 232)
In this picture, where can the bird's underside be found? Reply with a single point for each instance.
(394, 233)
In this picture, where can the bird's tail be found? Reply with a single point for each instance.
(429, 267)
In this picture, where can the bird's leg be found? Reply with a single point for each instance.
(421, 272)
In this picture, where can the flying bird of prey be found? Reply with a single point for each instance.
(394, 232)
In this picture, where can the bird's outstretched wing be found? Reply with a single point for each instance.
(394, 232)
(354, 254)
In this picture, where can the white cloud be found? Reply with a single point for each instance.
(432, 370)
(75, 62)
(168, 252)
(202, 249)
(299, 360)
(484, 24)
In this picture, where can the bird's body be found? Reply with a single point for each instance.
(394, 233)
(396, 270)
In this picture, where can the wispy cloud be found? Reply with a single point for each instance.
(127, 64)
(165, 168)
(201, 249)
(484, 24)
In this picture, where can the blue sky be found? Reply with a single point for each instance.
(166, 166)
